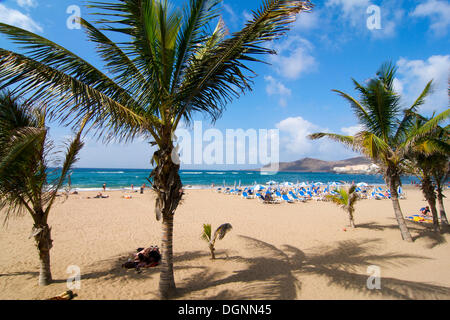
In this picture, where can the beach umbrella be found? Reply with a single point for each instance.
(362, 184)
(258, 187)
(302, 184)
(287, 184)
(271, 183)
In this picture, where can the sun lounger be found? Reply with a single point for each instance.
(286, 198)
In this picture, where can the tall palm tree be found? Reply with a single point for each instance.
(385, 130)
(168, 65)
(26, 182)
(426, 155)
(440, 173)
(346, 199)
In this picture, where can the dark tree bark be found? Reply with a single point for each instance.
(440, 198)
(428, 191)
(168, 187)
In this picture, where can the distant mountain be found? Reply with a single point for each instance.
(316, 165)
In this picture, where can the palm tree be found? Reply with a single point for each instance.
(220, 233)
(346, 199)
(384, 135)
(168, 65)
(440, 173)
(26, 182)
(428, 156)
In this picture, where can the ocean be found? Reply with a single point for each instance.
(94, 178)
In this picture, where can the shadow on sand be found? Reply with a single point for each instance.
(418, 230)
(273, 274)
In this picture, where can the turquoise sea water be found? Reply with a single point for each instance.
(93, 179)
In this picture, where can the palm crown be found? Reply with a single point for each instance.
(388, 132)
(170, 66)
(27, 184)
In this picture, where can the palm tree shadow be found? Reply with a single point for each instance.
(434, 238)
(111, 268)
(340, 265)
(421, 231)
(265, 277)
(375, 226)
(272, 273)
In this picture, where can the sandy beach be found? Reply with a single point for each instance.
(283, 251)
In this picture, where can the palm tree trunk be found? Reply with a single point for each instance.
(167, 286)
(212, 249)
(167, 185)
(351, 220)
(440, 198)
(44, 244)
(393, 181)
(430, 196)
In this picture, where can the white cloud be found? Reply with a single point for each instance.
(293, 135)
(307, 20)
(351, 131)
(27, 3)
(293, 58)
(415, 74)
(275, 87)
(439, 13)
(18, 19)
(295, 144)
(352, 10)
(357, 13)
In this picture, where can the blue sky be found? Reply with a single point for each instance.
(323, 51)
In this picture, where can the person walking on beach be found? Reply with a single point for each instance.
(142, 188)
(104, 187)
(132, 187)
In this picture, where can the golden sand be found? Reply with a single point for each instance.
(284, 251)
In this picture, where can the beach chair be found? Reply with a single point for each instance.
(379, 196)
(293, 196)
(286, 198)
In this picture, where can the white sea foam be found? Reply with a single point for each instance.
(109, 172)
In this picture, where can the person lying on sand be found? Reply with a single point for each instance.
(425, 211)
(144, 258)
(99, 196)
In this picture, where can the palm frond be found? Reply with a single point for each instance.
(206, 234)
(218, 76)
(347, 141)
(221, 231)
